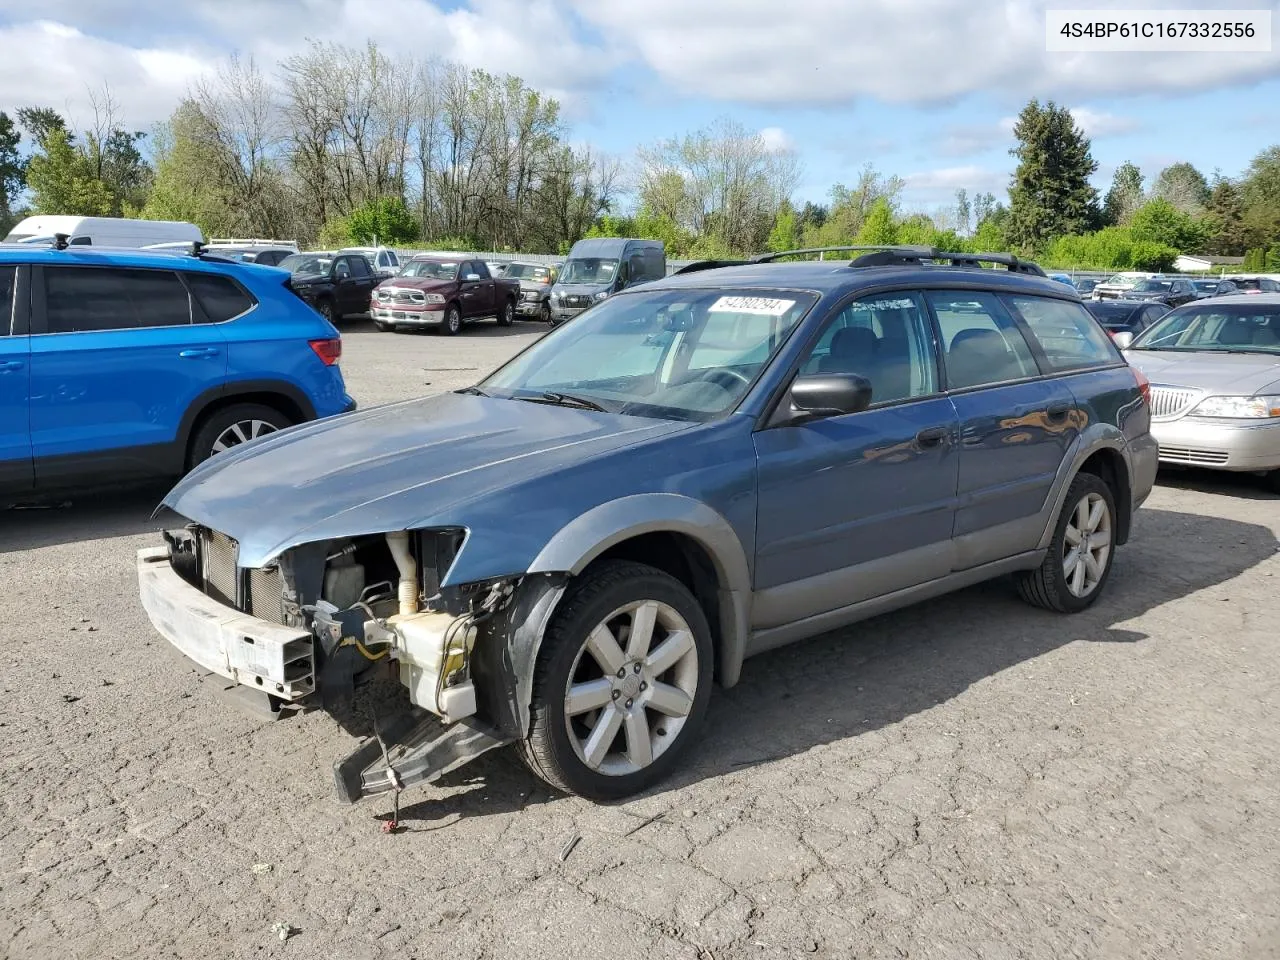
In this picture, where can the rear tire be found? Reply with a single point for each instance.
(1076, 568)
(231, 426)
(506, 314)
(325, 309)
(544, 313)
(603, 734)
(452, 321)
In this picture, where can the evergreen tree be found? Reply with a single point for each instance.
(1125, 195)
(12, 169)
(1051, 194)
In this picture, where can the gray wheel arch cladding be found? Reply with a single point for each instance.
(589, 535)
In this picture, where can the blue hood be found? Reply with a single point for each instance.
(395, 467)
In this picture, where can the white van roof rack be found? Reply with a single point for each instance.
(251, 242)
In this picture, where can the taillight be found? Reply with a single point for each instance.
(1144, 385)
(329, 351)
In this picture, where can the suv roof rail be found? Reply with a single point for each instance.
(710, 265)
(883, 255)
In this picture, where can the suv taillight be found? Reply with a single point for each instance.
(1144, 385)
(329, 351)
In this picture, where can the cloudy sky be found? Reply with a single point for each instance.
(922, 88)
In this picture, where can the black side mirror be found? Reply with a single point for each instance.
(829, 395)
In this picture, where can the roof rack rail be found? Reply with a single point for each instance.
(710, 265)
(1008, 260)
(61, 241)
(901, 250)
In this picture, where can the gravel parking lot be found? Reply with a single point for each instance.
(972, 778)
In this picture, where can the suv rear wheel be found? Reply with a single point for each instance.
(231, 427)
(1076, 568)
(622, 682)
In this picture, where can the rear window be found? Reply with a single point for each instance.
(1069, 336)
(81, 299)
(221, 298)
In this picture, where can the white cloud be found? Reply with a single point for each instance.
(1097, 123)
(905, 51)
(777, 140)
(942, 183)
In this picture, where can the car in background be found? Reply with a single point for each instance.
(1246, 285)
(1063, 278)
(536, 280)
(497, 268)
(1129, 317)
(564, 556)
(385, 261)
(336, 285)
(599, 267)
(1214, 368)
(268, 253)
(120, 366)
(1205, 288)
(445, 293)
(1171, 291)
(1084, 285)
(43, 230)
(1118, 285)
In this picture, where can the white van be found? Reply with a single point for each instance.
(103, 231)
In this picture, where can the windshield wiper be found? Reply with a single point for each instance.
(565, 400)
(472, 391)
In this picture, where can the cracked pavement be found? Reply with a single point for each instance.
(968, 778)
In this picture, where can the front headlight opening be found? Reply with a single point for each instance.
(1239, 408)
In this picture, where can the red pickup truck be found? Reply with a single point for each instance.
(444, 292)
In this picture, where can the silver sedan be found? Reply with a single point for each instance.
(1214, 367)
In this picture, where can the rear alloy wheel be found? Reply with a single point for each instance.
(1078, 562)
(233, 426)
(622, 682)
(452, 321)
(506, 314)
(325, 309)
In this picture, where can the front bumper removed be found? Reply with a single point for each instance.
(413, 747)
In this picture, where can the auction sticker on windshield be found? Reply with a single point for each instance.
(763, 306)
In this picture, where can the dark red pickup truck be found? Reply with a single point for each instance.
(444, 292)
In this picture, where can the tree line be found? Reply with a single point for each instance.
(346, 144)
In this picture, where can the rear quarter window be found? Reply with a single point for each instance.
(221, 298)
(1069, 337)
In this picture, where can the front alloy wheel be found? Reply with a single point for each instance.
(622, 682)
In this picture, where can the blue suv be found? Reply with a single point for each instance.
(122, 365)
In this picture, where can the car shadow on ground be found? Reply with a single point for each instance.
(56, 519)
(870, 676)
(1242, 486)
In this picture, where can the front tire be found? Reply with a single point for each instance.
(1076, 568)
(622, 682)
(452, 321)
(232, 426)
(507, 314)
(384, 326)
(544, 314)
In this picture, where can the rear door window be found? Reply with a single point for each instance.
(1069, 337)
(6, 300)
(221, 298)
(79, 299)
(982, 345)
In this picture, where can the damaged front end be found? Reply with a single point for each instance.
(322, 618)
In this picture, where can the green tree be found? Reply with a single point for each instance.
(1125, 195)
(386, 221)
(879, 226)
(39, 122)
(1224, 216)
(12, 169)
(1159, 221)
(1183, 186)
(785, 234)
(991, 235)
(62, 181)
(1051, 194)
(1260, 191)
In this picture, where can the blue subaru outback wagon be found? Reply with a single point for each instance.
(564, 556)
(120, 365)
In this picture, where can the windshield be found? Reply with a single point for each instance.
(431, 269)
(306, 265)
(673, 354)
(589, 270)
(1154, 286)
(1235, 328)
(528, 271)
(1120, 280)
(1205, 286)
